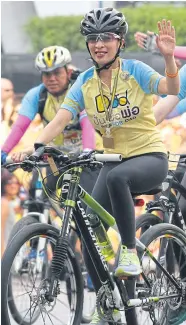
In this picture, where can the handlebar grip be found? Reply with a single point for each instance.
(183, 156)
(108, 157)
(9, 160)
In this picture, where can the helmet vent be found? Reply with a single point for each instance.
(91, 20)
(98, 14)
(106, 18)
(113, 22)
(120, 14)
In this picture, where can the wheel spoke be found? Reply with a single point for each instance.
(27, 293)
(161, 285)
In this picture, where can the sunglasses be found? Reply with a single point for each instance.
(103, 37)
(55, 72)
(7, 90)
(12, 182)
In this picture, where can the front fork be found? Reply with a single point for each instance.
(61, 248)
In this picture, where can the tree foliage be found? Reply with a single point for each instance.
(65, 30)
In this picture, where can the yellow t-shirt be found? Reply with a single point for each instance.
(133, 122)
(71, 138)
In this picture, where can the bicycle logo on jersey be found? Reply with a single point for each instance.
(125, 113)
(118, 101)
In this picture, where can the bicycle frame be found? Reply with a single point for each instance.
(167, 202)
(74, 208)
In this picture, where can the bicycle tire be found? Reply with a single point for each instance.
(7, 260)
(146, 220)
(25, 221)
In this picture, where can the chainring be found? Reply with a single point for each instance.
(104, 312)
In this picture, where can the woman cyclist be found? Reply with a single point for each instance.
(117, 96)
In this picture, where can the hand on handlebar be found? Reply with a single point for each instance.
(22, 155)
(18, 156)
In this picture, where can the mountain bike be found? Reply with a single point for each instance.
(158, 296)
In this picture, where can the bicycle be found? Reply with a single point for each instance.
(167, 203)
(37, 209)
(167, 291)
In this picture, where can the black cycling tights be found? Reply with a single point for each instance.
(113, 190)
(182, 200)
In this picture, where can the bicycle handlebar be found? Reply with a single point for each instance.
(183, 156)
(60, 157)
(107, 157)
(9, 161)
(86, 158)
(182, 159)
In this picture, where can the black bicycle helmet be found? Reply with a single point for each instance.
(102, 20)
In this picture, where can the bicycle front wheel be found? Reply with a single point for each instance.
(25, 284)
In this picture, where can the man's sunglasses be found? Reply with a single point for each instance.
(103, 37)
(8, 90)
(55, 72)
(10, 182)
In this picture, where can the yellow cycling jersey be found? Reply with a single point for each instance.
(133, 122)
(51, 108)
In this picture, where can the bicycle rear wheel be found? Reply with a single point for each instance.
(30, 303)
(145, 221)
(158, 283)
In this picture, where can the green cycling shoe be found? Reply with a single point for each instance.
(129, 264)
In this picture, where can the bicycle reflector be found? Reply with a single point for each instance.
(139, 202)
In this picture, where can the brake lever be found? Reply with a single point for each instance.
(96, 164)
(86, 154)
(28, 165)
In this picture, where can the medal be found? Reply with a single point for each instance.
(124, 76)
(108, 140)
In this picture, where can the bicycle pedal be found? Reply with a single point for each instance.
(145, 308)
(127, 278)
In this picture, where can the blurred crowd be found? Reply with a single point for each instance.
(173, 132)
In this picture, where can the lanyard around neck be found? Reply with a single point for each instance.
(108, 111)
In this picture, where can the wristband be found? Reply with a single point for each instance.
(171, 75)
